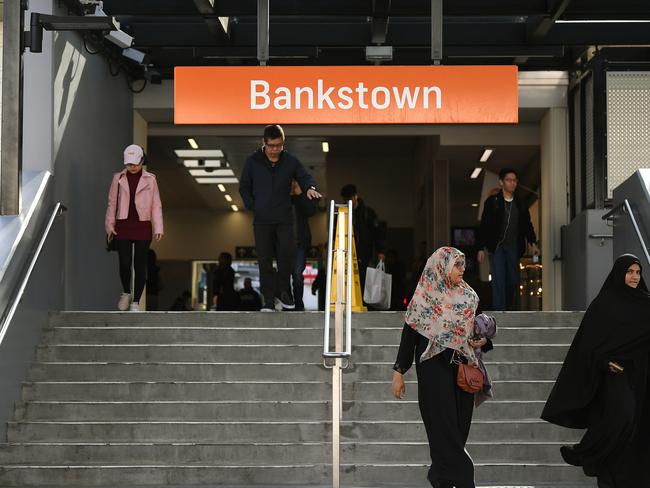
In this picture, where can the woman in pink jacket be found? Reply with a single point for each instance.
(133, 217)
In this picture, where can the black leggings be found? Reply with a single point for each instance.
(124, 252)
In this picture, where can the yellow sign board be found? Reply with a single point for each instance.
(357, 302)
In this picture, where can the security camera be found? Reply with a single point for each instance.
(135, 55)
(120, 38)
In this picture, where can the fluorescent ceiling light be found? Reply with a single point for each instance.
(199, 153)
(228, 197)
(212, 181)
(235, 208)
(192, 143)
(486, 155)
(474, 204)
(202, 163)
(326, 146)
(213, 172)
(603, 21)
(475, 173)
(221, 187)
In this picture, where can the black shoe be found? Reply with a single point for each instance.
(286, 300)
(570, 456)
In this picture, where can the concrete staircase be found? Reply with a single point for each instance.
(175, 399)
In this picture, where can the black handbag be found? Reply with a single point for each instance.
(111, 242)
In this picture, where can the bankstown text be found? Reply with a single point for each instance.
(344, 97)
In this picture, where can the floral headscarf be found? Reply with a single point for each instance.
(440, 311)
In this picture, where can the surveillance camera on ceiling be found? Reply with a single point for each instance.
(120, 38)
(135, 55)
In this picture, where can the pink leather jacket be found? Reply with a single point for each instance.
(147, 201)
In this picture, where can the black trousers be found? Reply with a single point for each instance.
(447, 415)
(274, 241)
(125, 252)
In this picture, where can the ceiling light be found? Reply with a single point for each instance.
(199, 153)
(212, 172)
(202, 163)
(235, 208)
(326, 146)
(221, 187)
(475, 173)
(486, 155)
(474, 204)
(212, 180)
(228, 197)
(192, 143)
(604, 21)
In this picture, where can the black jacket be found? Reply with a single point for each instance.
(367, 232)
(304, 208)
(491, 227)
(265, 187)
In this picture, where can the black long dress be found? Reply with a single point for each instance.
(612, 407)
(446, 410)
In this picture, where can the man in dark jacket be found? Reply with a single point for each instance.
(367, 231)
(303, 208)
(505, 228)
(265, 187)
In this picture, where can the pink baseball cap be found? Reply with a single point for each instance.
(133, 154)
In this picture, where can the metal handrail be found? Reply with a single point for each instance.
(627, 208)
(15, 300)
(339, 356)
(327, 354)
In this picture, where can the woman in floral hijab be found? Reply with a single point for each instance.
(438, 327)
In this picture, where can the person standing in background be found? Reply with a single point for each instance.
(505, 228)
(303, 208)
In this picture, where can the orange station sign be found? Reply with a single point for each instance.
(346, 95)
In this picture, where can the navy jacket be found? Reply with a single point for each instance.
(265, 187)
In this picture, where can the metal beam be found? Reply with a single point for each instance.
(12, 107)
(436, 31)
(544, 25)
(263, 31)
(379, 26)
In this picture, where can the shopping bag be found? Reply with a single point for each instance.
(376, 291)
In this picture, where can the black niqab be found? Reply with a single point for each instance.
(615, 327)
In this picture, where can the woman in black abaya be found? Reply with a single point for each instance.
(603, 383)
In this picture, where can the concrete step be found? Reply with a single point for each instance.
(252, 410)
(278, 431)
(292, 319)
(267, 353)
(268, 335)
(249, 390)
(270, 452)
(395, 474)
(161, 371)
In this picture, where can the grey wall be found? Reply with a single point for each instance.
(78, 119)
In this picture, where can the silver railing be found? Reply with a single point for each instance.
(16, 296)
(338, 359)
(627, 209)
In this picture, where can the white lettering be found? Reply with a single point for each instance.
(310, 96)
(348, 103)
(437, 91)
(406, 96)
(374, 97)
(324, 97)
(361, 89)
(283, 99)
(255, 94)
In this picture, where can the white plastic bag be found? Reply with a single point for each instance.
(376, 291)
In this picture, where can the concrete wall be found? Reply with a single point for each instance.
(78, 119)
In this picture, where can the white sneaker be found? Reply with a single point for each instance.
(123, 303)
(135, 307)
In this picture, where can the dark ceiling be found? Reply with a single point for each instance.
(531, 33)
